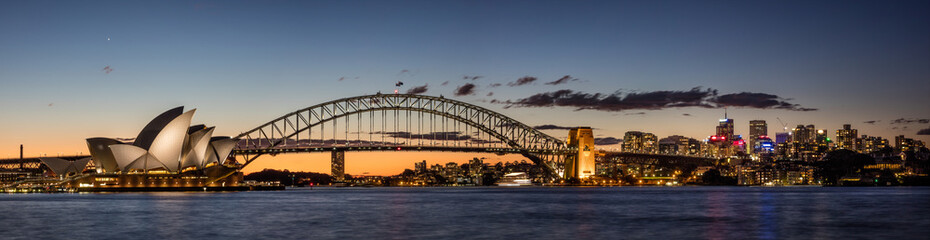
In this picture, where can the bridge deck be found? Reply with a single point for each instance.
(397, 148)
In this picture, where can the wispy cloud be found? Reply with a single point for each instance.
(551, 127)
(563, 80)
(924, 131)
(522, 81)
(871, 121)
(418, 89)
(910, 120)
(464, 90)
(757, 100)
(473, 78)
(607, 141)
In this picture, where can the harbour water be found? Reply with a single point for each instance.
(476, 213)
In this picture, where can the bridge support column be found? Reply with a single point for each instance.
(580, 165)
(339, 166)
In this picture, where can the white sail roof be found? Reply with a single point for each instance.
(166, 148)
(199, 141)
(126, 154)
(168, 142)
(63, 167)
(102, 155)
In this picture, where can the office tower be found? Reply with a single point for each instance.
(757, 129)
(725, 128)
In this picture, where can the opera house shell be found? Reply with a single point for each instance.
(167, 144)
(167, 154)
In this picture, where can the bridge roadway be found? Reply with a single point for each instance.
(397, 148)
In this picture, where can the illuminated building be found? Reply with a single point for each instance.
(872, 144)
(822, 143)
(782, 142)
(640, 142)
(725, 139)
(695, 146)
(420, 167)
(677, 144)
(782, 150)
(782, 137)
(757, 129)
(846, 138)
(451, 171)
(581, 165)
(907, 144)
(808, 143)
(725, 128)
(167, 153)
(803, 134)
(763, 146)
(167, 144)
(474, 167)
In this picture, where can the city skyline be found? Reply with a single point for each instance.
(73, 71)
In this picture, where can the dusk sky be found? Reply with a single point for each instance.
(71, 70)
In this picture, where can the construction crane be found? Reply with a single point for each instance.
(783, 125)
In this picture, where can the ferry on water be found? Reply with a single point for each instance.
(515, 179)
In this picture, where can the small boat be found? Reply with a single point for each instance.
(515, 179)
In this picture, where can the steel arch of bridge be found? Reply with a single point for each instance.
(280, 135)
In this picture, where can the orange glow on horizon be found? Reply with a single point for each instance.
(374, 163)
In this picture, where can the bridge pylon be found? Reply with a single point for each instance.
(580, 163)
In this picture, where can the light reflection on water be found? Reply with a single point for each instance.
(520, 213)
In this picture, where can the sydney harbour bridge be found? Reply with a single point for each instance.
(405, 122)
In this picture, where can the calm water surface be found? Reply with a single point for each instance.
(476, 213)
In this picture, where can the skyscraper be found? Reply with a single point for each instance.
(725, 128)
(846, 138)
(803, 134)
(802, 141)
(757, 128)
(420, 167)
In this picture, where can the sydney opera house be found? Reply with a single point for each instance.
(168, 153)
